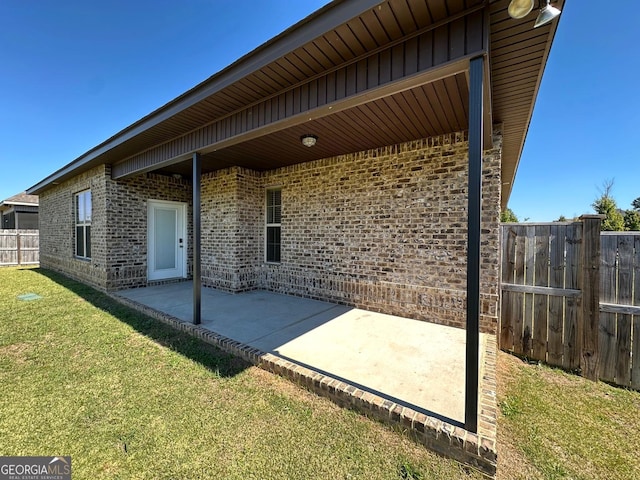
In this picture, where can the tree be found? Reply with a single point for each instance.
(562, 218)
(613, 219)
(507, 216)
(636, 204)
(606, 205)
(632, 220)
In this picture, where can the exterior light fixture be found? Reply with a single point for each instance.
(177, 176)
(520, 8)
(547, 14)
(308, 140)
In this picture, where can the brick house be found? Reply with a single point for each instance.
(409, 106)
(19, 212)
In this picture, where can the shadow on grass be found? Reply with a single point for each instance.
(211, 357)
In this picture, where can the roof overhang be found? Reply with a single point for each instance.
(21, 199)
(358, 74)
(518, 58)
(322, 20)
(22, 204)
(8, 208)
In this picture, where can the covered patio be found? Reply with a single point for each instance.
(360, 157)
(402, 371)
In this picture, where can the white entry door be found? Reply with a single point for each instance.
(167, 240)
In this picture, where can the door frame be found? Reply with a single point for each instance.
(181, 232)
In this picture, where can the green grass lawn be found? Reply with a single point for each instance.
(556, 425)
(129, 398)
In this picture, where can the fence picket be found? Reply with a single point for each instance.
(541, 302)
(19, 247)
(607, 330)
(635, 361)
(508, 267)
(573, 305)
(556, 303)
(8, 249)
(518, 298)
(635, 354)
(529, 249)
(625, 297)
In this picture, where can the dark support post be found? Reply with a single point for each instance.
(197, 279)
(476, 95)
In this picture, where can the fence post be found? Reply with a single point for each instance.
(590, 283)
(19, 257)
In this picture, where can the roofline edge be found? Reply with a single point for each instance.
(317, 23)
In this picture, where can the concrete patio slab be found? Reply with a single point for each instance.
(410, 362)
(399, 370)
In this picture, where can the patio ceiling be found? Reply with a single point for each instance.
(253, 113)
(432, 109)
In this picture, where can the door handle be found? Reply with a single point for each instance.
(180, 242)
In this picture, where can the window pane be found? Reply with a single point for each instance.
(273, 197)
(274, 216)
(165, 228)
(79, 208)
(87, 206)
(273, 253)
(87, 231)
(277, 214)
(273, 235)
(273, 244)
(83, 207)
(274, 207)
(80, 241)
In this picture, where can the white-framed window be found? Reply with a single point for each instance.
(83, 224)
(273, 226)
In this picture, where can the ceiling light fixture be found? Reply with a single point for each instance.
(520, 8)
(547, 14)
(308, 140)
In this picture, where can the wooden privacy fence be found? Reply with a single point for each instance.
(19, 247)
(571, 298)
(549, 288)
(619, 346)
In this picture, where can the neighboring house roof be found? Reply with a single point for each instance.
(22, 199)
(359, 74)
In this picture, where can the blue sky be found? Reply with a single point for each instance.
(76, 72)
(586, 123)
